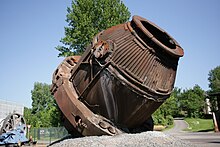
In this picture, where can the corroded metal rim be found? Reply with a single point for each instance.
(81, 118)
(120, 80)
(154, 32)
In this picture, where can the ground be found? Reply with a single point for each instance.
(205, 139)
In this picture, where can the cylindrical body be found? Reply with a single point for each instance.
(128, 72)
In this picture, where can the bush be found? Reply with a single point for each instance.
(159, 119)
(169, 119)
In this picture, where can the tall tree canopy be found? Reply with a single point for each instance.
(189, 102)
(88, 17)
(44, 111)
(41, 97)
(193, 101)
(214, 79)
(214, 85)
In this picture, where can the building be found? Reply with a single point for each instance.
(7, 107)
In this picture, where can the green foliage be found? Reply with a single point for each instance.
(88, 17)
(178, 111)
(214, 85)
(41, 97)
(27, 115)
(44, 111)
(188, 103)
(193, 101)
(164, 114)
(214, 80)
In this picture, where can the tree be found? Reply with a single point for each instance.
(169, 109)
(214, 85)
(41, 97)
(214, 79)
(44, 112)
(190, 101)
(163, 115)
(88, 17)
(193, 101)
(27, 115)
(176, 109)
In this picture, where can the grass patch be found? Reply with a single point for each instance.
(199, 125)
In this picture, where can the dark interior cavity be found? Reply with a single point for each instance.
(159, 35)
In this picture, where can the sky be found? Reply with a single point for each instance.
(30, 31)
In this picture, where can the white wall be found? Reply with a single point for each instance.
(7, 107)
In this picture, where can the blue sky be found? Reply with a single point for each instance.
(30, 31)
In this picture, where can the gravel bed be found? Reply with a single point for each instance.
(145, 139)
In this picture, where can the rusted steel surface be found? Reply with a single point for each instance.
(126, 73)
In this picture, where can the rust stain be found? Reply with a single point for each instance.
(122, 78)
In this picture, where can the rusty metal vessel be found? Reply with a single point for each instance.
(126, 73)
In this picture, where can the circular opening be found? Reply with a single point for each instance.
(154, 36)
(77, 119)
(111, 130)
(161, 36)
(104, 125)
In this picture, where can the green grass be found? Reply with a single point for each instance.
(199, 125)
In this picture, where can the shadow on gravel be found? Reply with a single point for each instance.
(217, 142)
(62, 139)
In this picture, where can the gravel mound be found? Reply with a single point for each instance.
(145, 139)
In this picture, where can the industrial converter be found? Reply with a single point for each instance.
(122, 78)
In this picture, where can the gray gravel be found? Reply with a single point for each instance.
(145, 139)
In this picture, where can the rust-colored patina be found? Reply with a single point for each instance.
(126, 73)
